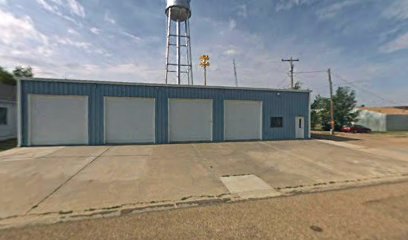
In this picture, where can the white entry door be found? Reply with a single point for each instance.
(58, 120)
(129, 120)
(190, 120)
(300, 127)
(242, 120)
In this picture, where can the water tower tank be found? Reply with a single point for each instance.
(180, 10)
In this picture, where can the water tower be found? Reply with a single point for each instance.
(178, 50)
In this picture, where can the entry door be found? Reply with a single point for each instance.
(300, 127)
(129, 120)
(190, 120)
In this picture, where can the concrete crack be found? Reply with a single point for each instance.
(66, 181)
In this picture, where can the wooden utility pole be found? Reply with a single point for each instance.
(332, 122)
(292, 68)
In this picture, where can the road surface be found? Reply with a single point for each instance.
(375, 212)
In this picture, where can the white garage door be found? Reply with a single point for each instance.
(242, 120)
(58, 120)
(129, 120)
(190, 120)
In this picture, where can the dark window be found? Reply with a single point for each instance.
(300, 123)
(276, 122)
(3, 116)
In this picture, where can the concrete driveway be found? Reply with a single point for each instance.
(64, 181)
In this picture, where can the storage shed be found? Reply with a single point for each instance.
(78, 112)
(384, 119)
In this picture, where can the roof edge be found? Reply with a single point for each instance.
(80, 81)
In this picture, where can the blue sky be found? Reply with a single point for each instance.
(365, 42)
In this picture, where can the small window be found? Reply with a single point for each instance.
(3, 116)
(276, 122)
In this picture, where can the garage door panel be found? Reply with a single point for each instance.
(190, 120)
(242, 120)
(58, 120)
(129, 120)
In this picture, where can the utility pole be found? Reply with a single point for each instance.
(331, 103)
(235, 73)
(292, 68)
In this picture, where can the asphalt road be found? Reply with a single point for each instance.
(376, 212)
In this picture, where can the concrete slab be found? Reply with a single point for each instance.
(249, 186)
(130, 150)
(109, 181)
(81, 151)
(144, 174)
(27, 153)
(247, 183)
(172, 172)
(23, 184)
(277, 168)
(347, 162)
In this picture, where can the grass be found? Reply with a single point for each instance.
(8, 144)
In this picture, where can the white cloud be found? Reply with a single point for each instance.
(131, 36)
(109, 19)
(129, 72)
(16, 30)
(55, 7)
(232, 24)
(3, 2)
(76, 8)
(288, 4)
(70, 42)
(332, 10)
(397, 44)
(47, 6)
(243, 11)
(397, 10)
(95, 30)
(72, 31)
(231, 52)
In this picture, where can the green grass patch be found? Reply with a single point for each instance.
(9, 144)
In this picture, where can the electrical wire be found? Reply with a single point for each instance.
(317, 71)
(364, 90)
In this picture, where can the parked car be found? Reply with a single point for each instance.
(355, 129)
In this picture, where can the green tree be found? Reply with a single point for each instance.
(23, 72)
(344, 109)
(6, 77)
(298, 86)
(321, 113)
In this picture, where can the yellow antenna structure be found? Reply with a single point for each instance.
(205, 63)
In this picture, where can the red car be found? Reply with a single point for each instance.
(355, 129)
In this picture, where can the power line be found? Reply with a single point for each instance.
(365, 90)
(281, 82)
(318, 71)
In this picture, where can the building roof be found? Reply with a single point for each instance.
(8, 92)
(162, 85)
(387, 110)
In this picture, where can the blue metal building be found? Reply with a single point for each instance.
(74, 112)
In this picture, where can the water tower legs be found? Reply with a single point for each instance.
(178, 52)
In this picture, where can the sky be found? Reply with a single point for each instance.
(364, 42)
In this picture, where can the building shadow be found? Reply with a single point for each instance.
(327, 136)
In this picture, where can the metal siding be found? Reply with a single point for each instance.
(288, 105)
